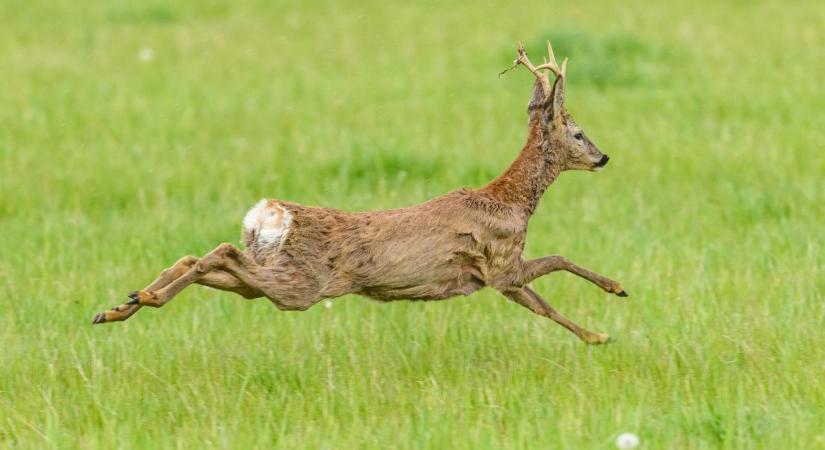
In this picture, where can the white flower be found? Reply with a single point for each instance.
(627, 441)
(146, 54)
(327, 304)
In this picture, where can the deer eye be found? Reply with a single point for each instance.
(578, 136)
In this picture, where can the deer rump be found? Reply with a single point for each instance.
(431, 251)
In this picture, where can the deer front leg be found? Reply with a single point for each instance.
(531, 300)
(535, 268)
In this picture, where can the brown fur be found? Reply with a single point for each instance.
(452, 245)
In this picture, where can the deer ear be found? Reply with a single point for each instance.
(555, 101)
(537, 101)
(539, 95)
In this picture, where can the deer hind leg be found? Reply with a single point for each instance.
(531, 300)
(542, 266)
(225, 281)
(286, 285)
(126, 310)
(180, 275)
(213, 261)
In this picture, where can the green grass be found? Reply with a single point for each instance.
(711, 214)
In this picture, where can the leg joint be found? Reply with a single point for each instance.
(558, 260)
(226, 249)
(187, 261)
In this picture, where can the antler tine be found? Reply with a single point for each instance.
(550, 52)
(552, 65)
(523, 60)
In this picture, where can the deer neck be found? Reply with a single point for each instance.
(533, 171)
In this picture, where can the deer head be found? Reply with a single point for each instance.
(563, 139)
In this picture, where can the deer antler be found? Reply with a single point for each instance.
(536, 70)
(560, 72)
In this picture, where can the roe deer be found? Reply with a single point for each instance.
(451, 245)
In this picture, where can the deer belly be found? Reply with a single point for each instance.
(465, 284)
(266, 225)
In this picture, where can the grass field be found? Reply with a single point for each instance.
(133, 133)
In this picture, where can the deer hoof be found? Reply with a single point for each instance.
(622, 293)
(100, 318)
(142, 298)
(597, 338)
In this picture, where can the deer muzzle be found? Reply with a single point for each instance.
(602, 162)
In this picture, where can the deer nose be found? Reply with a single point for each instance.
(602, 162)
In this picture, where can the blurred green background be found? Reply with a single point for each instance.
(133, 133)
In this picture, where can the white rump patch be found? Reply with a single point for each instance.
(266, 224)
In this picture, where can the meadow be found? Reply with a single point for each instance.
(133, 133)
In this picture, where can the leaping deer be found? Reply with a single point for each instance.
(452, 245)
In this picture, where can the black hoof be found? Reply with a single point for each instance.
(100, 318)
(622, 294)
(135, 299)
